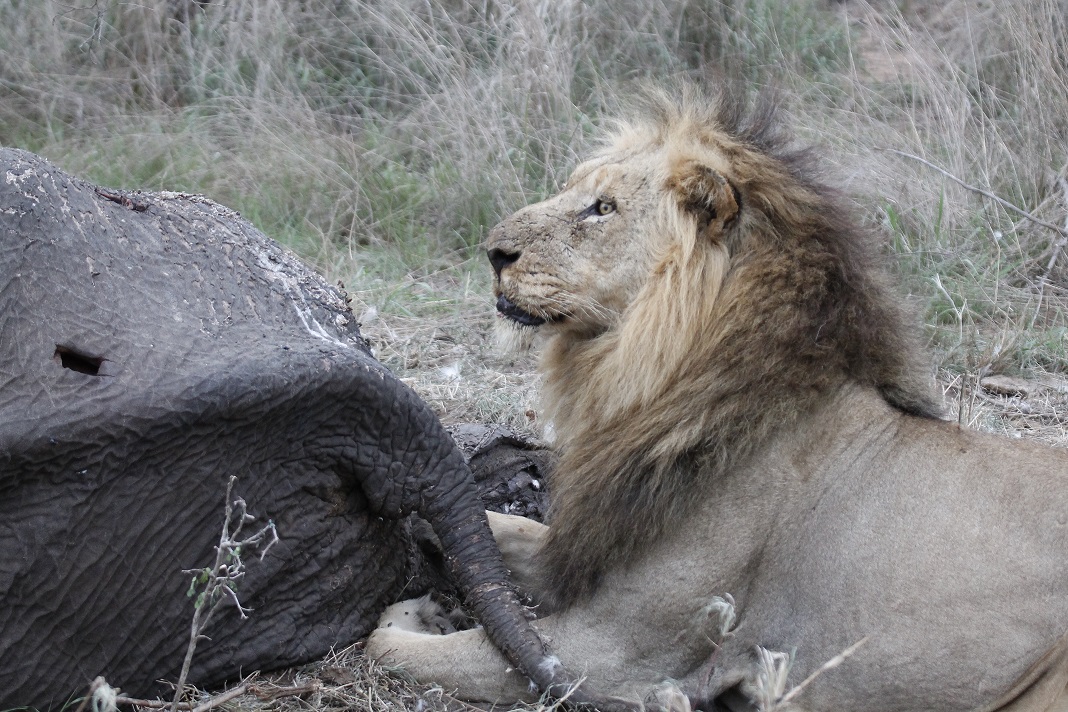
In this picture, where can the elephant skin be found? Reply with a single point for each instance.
(152, 346)
(512, 472)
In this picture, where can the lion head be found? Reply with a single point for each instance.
(700, 288)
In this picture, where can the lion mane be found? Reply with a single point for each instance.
(727, 340)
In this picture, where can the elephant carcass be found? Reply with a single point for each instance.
(511, 471)
(152, 346)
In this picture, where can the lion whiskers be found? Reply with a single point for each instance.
(586, 309)
(590, 307)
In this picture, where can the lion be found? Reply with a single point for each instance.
(758, 504)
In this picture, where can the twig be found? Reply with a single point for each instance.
(1038, 221)
(97, 33)
(219, 580)
(123, 200)
(151, 704)
(219, 699)
(958, 311)
(270, 696)
(832, 663)
(264, 695)
(202, 707)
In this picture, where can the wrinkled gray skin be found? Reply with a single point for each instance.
(210, 352)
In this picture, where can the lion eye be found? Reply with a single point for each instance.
(598, 209)
(604, 207)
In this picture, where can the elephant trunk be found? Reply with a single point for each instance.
(439, 487)
(476, 565)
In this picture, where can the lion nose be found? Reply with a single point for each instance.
(500, 259)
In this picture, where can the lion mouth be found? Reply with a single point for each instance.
(507, 308)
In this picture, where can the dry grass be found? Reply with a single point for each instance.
(435, 331)
(982, 91)
(345, 680)
(381, 140)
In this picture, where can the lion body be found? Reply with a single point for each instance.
(751, 465)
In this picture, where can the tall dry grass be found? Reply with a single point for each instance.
(341, 124)
(981, 90)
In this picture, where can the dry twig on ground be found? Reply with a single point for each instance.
(986, 193)
(220, 580)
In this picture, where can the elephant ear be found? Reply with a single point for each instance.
(707, 195)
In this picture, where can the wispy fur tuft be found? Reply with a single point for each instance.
(513, 338)
(730, 338)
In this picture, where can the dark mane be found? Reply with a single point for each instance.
(876, 332)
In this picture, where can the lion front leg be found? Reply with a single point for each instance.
(591, 646)
(417, 636)
(409, 637)
(519, 540)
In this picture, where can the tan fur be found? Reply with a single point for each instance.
(746, 429)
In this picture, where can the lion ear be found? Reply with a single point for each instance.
(706, 194)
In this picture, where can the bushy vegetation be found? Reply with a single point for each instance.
(381, 139)
(337, 125)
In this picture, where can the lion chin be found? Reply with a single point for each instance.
(513, 337)
(515, 328)
(757, 504)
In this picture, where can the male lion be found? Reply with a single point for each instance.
(752, 467)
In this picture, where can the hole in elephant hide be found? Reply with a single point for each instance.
(68, 358)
